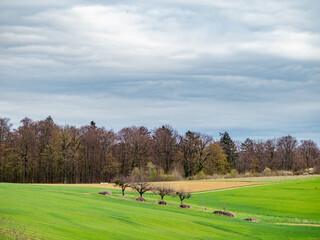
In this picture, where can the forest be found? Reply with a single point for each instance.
(44, 152)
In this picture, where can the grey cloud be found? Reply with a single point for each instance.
(250, 67)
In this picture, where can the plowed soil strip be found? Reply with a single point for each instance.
(189, 186)
(198, 186)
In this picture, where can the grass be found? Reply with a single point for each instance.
(64, 212)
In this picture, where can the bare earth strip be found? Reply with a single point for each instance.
(189, 186)
(231, 188)
(198, 186)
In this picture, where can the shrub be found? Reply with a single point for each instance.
(310, 170)
(137, 174)
(284, 173)
(234, 173)
(201, 175)
(173, 176)
(316, 170)
(300, 172)
(167, 177)
(287, 173)
(256, 174)
(177, 175)
(151, 173)
(267, 172)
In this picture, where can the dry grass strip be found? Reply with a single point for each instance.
(189, 186)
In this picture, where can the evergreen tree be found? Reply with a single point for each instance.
(229, 148)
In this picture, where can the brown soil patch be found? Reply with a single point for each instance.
(188, 186)
(300, 224)
(252, 219)
(197, 186)
(106, 193)
(228, 214)
(184, 206)
(140, 199)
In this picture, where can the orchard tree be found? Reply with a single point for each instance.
(141, 188)
(123, 183)
(163, 190)
(183, 195)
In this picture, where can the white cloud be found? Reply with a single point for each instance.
(123, 37)
(204, 64)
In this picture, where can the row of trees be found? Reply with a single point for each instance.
(161, 190)
(42, 151)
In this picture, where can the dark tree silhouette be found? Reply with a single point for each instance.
(183, 195)
(43, 152)
(229, 147)
(93, 124)
(141, 187)
(165, 146)
(123, 183)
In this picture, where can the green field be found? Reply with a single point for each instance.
(59, 212)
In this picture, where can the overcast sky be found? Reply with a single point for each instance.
(251, 68)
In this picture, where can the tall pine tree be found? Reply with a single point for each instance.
(229, 148)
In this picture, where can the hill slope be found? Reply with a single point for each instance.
(56, 212)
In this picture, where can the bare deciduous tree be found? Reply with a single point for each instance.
(163, 190)
(309, 153)
(286, 147)
(123, 183)
(189, 147)
(141, 188)
(183, 195)
(43, 152)
(165, 147)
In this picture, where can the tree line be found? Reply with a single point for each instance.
(44, 152)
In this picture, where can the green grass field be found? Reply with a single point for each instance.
(58, 212)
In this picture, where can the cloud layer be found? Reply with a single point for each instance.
(252, 68)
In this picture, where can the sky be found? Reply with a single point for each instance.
(251, 68)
